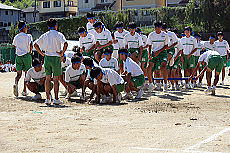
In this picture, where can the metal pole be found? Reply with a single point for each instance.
(121, 5)
(35, 9)
(64, 8)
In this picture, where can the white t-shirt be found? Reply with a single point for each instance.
(157, 41)
(74, 75)
(206, 56)
(144, 39)
(36, 76)
(172, 38)
(111, 77)
(189, 44)
(22, 42)
(132, 67)
(120, 38)
(178, 48)
(133, 41)
(112, 63)
(51, 42)
(222, 47)
(90, 28)
(199, 49)
(104, 37)
(209, 46)
(87, 41)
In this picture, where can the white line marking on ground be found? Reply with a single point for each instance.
(172, 150)
(211, 138)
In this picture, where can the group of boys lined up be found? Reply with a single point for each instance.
(109, 64)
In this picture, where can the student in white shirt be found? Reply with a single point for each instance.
(75, 76)
(134, 43)
(51, 42)
(37, 74)
(213, 61)
(24, 45)
(108, 82)
(222, 47)
(190, 45)
(210, 45)
(158, 43)
(134, 75)
(87, 42)
(103, 39)
(108, 61)
(91, 20)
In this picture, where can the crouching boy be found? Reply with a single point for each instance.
(37, 73)
(134, 75)
(75, 76)
(108, 82)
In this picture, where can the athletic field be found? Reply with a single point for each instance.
(173, 122)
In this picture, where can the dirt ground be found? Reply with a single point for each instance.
(173, 122)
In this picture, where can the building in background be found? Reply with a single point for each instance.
(57, 8)
(176, 3)
(30, 15)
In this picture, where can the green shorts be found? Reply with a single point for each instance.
(77, 84)
(138, 80)
(225, 60)
(134, 50)
(171, 51)
(23, 63)
(120, 87)
(89, 54)
(216, 62)
(189, 63)
(41, 88)
(145, 56)
(177, 64)
(52, 65)
(161, 58)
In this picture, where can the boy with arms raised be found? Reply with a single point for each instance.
(51, 43)
(24, 45)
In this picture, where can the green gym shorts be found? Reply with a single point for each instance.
(145, 56)
(216, 62)
(138, 80)
(189, 63)
(24, 62)
(77, 84)
(52, 65)
(162, 57)
(120, 87)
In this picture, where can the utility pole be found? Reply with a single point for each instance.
(121, 5)
(35, 10)
(64, 8)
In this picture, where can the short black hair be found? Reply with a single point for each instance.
(78, 54)
(188, 28)
(119, 24)
(164, 26)
(138, 30)
(220, 34)
(158, 24)
(108, 50)
(132, 25)
(88, 62)
(97, 24)
(95, 72)
(51, 22)
(123, 51)
(36, 62)
(75, 59)
(197, 35)
(90, 15)
(81, 30)
(175, 30)
(21, 24)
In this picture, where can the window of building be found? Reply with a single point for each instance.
(46, 4)
(6, 12)
(86, 1)
(12, 12)
(5, 25)
(104, 1)
(9, 24)
(1, 24)
(57, 3)
(70, 3)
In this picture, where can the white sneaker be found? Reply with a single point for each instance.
(187, 86)
(64, 93)
(128, 96)
(165, 88)
(119, 97)
(222, 83)
(75, 94)
(178, 87)
(191, 85)
(199, 85)
(15, 90)
(173, 88)
(24, 93)
(158, 88)
(57, 102)
(139, 94)
(213, 90)
(208, 90)
(48, 102)
(68, 96)
(105, 99)
(37, 97)
(151, 87)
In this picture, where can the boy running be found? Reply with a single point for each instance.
(87, 42)
(51, 43)
(213, 61)
(108, 82)
(134, 75)
(158, 43)
(75, 77)
(190, 45)
(222, 47)
(24, 45)
(37, 73)
(108, 61)
(134, 43)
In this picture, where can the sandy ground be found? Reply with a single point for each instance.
(160, 123)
